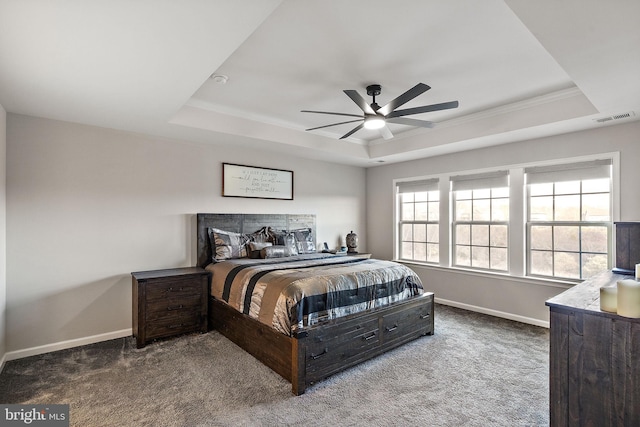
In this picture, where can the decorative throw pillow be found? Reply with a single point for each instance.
(304, 241)
(227, 244)
(278, 251)
(284, 238)
(255, 249)
(260, 236)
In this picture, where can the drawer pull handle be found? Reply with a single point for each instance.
(373, 335)
(176, 326)
(175, 307)
(175, 290)
(316, 356)
(393, 328)
(424, 316)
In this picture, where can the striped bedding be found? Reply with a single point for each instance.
(291, 293)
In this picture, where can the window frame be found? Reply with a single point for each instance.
(430, 185)
(471, 222)
(518, 239)
(571, 172)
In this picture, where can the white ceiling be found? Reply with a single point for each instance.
(519, 69)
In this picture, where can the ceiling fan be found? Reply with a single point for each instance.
(376, 117)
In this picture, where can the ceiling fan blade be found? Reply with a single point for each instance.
(418, 89)
(386, 133)
(352, 131)
(423, 109)
(335, 114)
(334, 124)
(360, 101)
(411, 122)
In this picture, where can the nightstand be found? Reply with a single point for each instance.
(169, 302)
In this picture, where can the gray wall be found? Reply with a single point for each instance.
(86, 206)
(517, 298)
(3, 233)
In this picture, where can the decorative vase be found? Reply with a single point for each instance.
(352, 243)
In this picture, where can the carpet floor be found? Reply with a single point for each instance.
(476, 370)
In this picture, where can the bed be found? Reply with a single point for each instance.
(306, 335)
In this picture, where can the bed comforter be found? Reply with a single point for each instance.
(291, 293)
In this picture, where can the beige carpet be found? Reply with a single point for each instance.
(476, 370)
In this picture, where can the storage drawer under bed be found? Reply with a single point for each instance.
(347, 342)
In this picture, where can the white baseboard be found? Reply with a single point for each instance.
(33, 351)
(62, 345)
(496, 313)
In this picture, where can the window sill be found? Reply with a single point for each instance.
(563, 284)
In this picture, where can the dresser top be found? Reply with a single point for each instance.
(585, 296)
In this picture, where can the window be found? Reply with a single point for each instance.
(481, 221)
(569, 219)
(548, 221)
(419, 212)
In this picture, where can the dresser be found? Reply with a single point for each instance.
(169, 302)
(594, 371)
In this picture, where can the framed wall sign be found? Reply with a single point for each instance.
(259, 183)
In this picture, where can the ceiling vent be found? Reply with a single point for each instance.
(616, 117)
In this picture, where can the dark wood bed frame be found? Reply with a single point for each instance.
(313, 353)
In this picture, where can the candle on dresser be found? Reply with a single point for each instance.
(628, 302)
(609, 299)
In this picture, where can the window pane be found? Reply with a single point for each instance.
(407, 232)
(482, 210)
(407, 212)
(463, 255)
(594, 239)
(480, 235)
(568, 187)
(567, 208)
(541, 208)
(463, 210)
(421, 211)
(566, 238)
(499, 235)
(593, 264)
(595, 185)
(542, 263)
(541, 189)
(484, 193)
(541, 237)
(406, 197)
(500, 210)
(433, 252)
(420, 251)
(463, 195)
(463, 234)
(433, 233)
(421, 196)
(406, 250)
(479, 257)
(420, 232)
(595, 207)
(499, 258)
(567, 265)
(500, 192)
(434, 196)
(434, 211)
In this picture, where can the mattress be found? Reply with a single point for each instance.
(295, 292)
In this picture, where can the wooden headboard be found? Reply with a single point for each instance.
(246, 223)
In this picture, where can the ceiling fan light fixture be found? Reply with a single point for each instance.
(374, 122)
